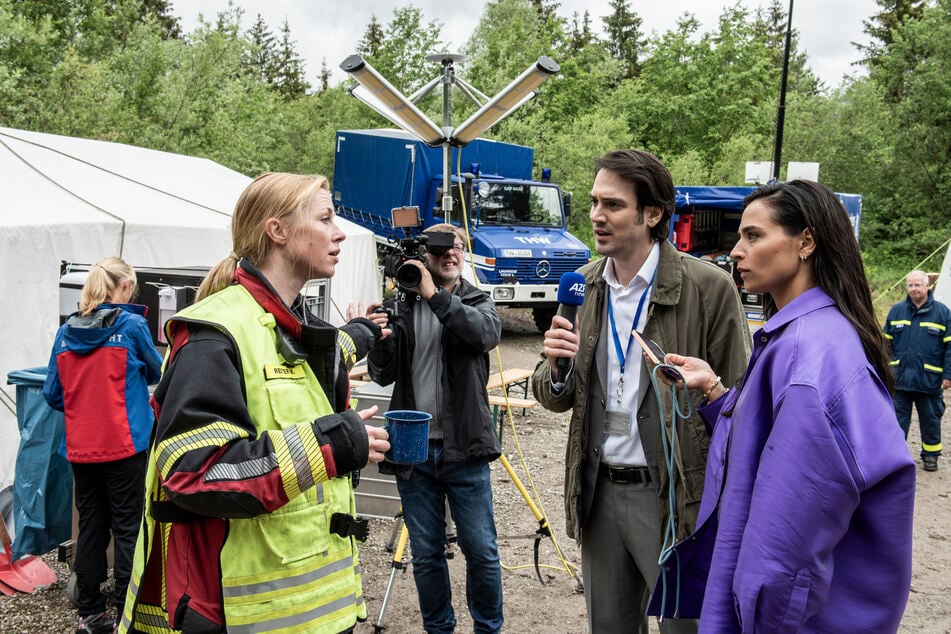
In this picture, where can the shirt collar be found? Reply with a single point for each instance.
(644, 275)
(807, 302)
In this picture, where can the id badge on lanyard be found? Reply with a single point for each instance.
(617, 422)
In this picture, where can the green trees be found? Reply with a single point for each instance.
(913, 73)
(704, 101)
(885, 25)
(399, 50)
(624, 41)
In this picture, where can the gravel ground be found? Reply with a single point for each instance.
(555, 605)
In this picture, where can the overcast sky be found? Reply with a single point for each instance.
(332, 29)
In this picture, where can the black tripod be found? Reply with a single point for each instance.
(399, 536)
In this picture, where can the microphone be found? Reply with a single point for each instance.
(570, 296)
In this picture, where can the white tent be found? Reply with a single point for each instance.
(78, 200)
(942, 288)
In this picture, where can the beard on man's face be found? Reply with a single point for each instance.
(442, 276)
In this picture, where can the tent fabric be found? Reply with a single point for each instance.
(77, 200)
(942, 288)
(43, 489)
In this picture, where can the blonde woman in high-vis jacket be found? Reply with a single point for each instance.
(250, 523)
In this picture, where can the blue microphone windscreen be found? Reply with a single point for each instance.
(571, 289)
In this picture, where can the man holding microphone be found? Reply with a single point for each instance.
(617, 483)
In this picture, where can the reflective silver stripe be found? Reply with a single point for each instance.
(241, 470)
(295, 446)
(196, 439)
(295, 619)
(304, 578)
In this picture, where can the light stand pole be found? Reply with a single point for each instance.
(781, 115)
(373, 90)
(448, 78)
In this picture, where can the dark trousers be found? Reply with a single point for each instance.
(930, 410)
(109, 498)
(620, 546)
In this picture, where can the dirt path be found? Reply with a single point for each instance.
(555, 606)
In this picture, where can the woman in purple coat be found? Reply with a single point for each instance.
(806, 519)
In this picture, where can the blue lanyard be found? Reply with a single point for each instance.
(622, 353)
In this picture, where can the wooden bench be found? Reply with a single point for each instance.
(498, 403)
(512, 377)
(359, 373)
(517, 377)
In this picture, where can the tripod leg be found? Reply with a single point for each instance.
(543, 526)
(395, 532)
(396, 565)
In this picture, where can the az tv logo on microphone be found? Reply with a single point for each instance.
(570, 296)
(571, 289)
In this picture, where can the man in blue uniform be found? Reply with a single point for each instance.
(919, 329)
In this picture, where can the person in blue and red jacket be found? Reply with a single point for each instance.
(100, 369)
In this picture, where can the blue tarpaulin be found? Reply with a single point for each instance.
(43, 484)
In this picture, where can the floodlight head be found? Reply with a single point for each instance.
(381, 96)
(510, 98)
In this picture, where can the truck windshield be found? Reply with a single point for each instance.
(511, 204)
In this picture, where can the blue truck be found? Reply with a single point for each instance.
(518, 226)
(705, 224)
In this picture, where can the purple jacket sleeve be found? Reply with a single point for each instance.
(805, 494)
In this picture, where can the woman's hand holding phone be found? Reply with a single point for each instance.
(654, 356)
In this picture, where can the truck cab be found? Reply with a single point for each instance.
(520, 244)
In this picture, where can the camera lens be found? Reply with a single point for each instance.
(408, 276)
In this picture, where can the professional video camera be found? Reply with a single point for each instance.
(412, 248)
(408, 276)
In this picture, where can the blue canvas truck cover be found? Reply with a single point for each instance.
(377, 170)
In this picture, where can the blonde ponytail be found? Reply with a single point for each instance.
(219, 277)
(104, 278)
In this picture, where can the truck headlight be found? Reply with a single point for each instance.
(503, 293)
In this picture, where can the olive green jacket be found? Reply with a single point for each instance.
(695, 310)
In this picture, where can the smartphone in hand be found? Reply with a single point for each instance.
(654, 355)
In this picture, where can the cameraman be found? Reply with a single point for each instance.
(437, 358)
